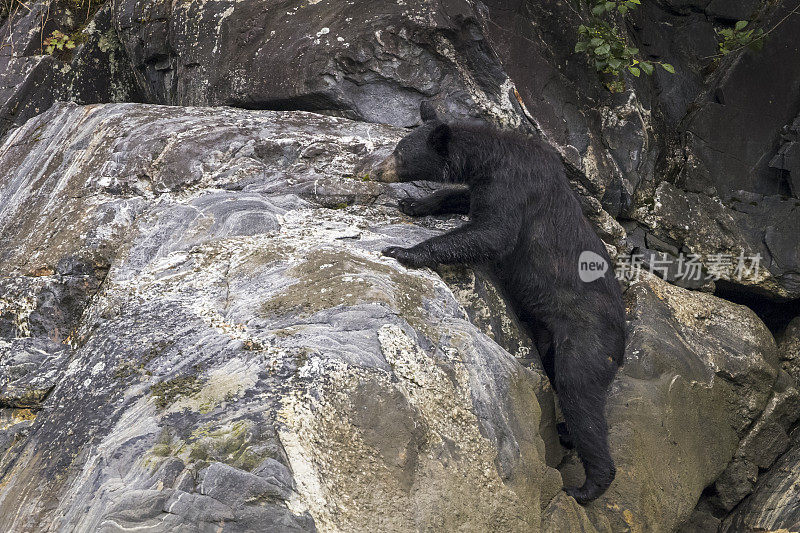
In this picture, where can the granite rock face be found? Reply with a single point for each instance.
(249, 360)
(235, 352)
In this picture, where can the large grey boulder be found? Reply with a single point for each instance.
(250, 361)
(242, 357)
(698, 372)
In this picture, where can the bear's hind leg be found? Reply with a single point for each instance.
(582, 389)
(443, 201)
(543, 340)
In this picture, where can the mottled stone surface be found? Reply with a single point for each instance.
(774, 504)
(789, 349)
(197, 330)
(250, 360)
(238, 354)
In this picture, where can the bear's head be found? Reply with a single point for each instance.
(420, 155)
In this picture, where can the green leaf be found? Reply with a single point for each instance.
(740, 25)
(602, 50)
(622, 9)
(70, 45)
(50, 49)
(635, 71)
(614, 63)
(595, 42)
(610, 5)
(727, 32)
(598, 9)
(647, 67)
(669, 68)
(581, 46)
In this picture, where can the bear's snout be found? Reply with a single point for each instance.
(386, 171)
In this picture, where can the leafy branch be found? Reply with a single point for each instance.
(737, 38)
(607, 49)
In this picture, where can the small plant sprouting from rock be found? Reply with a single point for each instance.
(739, 37)
(607, 49)
(58, 41)
(170, 390)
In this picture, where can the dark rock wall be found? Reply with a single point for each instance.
(96, 70)
(371, 61)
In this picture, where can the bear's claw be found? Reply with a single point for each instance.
(409, 207)
(405, 256)
(585, 494)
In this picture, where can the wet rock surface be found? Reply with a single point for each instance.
(348, 60)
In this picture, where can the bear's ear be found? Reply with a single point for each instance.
(439, 139)
(427, 112)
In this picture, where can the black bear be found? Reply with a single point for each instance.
(526, 226)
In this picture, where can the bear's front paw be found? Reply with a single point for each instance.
(411, 207)
(406, 256)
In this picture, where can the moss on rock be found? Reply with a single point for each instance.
(166, 392)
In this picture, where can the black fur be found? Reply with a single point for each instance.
(526, 225)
